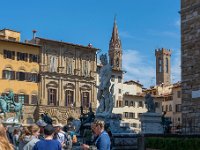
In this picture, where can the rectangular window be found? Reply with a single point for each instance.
(131, 115)
(134, 125)
(34, 99)
(85, 99)
(120, 91)
(178, 108)
(52, 97)
(69, 98)
(139, 114)
(126, 103)
(132, 103)
(21, 98)
(120, 103)
(166, 107)
(9, 54)
(33, 58)
(179, 94)
(125, 114)
(21, 76)
(140, 104)
(119, 79)
(22, 56)
(7, 74)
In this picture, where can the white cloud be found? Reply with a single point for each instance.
(125, 34)
(138, 67)
(178, 23)
(176, 66)
(141, 67)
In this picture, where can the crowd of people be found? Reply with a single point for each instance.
(39, 136)
(42, 136)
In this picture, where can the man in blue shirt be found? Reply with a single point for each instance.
(102, 141)
(48, 143)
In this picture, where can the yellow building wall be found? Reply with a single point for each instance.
(17, 65)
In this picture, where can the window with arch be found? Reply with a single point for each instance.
(85, 99)
(8, 74)
(52, 96)
(24, 99)
(167, 65)
(69, 98)
(117, 62)
(160, 64)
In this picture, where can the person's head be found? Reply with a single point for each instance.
(49, 130)
(41, 124)
(58, 127)
(25, 132)
(97, 126)
(35, 130)
(2, 131)
(16, 131)
(4, 143)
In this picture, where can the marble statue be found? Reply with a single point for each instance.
(149, 102)
(8, 104)
(105, 93)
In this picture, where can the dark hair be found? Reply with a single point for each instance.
(49, 129)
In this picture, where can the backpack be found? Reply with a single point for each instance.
(68, 140)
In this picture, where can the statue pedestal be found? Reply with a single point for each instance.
(151, 123)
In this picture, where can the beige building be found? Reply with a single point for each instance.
(134, 104)
(172, 106)
(67, 79)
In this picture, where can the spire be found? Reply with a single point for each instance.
(115, 48)
(115, 41)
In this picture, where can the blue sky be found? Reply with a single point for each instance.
(143, 25)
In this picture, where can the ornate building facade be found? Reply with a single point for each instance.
(67, 79)
(190, 64)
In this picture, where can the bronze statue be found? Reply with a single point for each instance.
(8, 104)
(149, 102)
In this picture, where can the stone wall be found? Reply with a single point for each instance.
(190, 64)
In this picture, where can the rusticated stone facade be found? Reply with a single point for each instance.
(68, 79)
(190, 64)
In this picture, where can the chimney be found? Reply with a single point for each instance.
(34, 34)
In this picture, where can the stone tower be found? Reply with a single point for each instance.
(190, 65)
(115, 49)
(163, 66)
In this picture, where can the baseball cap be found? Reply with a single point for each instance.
(49, 129)
(41, 123)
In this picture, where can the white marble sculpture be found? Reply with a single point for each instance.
(105, 94)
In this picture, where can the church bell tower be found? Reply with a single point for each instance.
(115, 49)
(163, 66)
